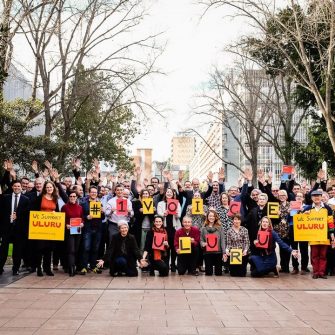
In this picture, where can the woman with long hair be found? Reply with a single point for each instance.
(212, 250)
(171, 223)
(157, 255)
(47, 201)
(264, 258)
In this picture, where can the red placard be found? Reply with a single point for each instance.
(295, 205)
(234, 208)
(172, 206)
(121, 207)
(158, 241)
(263, 239)
(75, 222)
(212, 242)
(288, 169)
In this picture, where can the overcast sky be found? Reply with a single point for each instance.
(193, 47)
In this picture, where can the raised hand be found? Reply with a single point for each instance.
(247, 175)
(34, 166)
(137, 171)
(321, 174)
(45, 173)
(221, 173)
(181, 175)
(89, 175)
(55, 175)
(76, 164)
(210, 176)
(9, 165)
(48, 165)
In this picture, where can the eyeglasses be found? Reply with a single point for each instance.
(72, 196)
(275, 190)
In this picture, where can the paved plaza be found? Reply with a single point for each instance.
(100, 304)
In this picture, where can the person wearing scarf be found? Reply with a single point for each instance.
(156, 244)
(212, 225)
(264, 260)
(187, 262)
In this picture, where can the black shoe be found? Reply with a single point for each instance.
(15, 273)
(39, 273)
(195, 273)
(315, 276)
(226, 270)
(173, 268)
(49, 273)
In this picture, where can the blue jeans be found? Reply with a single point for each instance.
(91, 242)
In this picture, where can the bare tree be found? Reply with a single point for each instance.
(241, 100)
(66, 37)
(11, 17)
(304, 39)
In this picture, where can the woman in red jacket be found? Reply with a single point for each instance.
(74, 223)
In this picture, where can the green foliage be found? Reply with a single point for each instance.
(16, 139)
(99, 126)
(310, 157)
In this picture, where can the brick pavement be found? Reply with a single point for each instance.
(99, 304)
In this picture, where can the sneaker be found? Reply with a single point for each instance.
(83, 271)
(97, 270)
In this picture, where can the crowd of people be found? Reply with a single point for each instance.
(162, 226)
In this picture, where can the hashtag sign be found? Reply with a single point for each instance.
(95, 210)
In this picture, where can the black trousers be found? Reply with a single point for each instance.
(187, 262)
(213, 260)
(160, 266)
(171, 251)
(239, 270)
(19, 242)
(285, 256)
(303, 247)
(72, 243)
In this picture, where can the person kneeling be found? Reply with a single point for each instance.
(187, 254)
(155, 248)
(264, 260)
(122, 253)
(237, 238)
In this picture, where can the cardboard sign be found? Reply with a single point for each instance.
(158, 241)
(185, 245)
(284, 177)
(273, 210)
(172, 206)
(212, 242)
(197, 206)
(75, 230)
(234, 208)
(295, 205)
(75, 222)
(95, 209)
(121, 207)
(148, 206)
(310, 227)
(46, 226)
(289, 169)
(235, 256)
(263, 238)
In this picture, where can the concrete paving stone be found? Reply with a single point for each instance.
(289, 331)
(62, 324)
(168, 330)
(10, 312)
(71, 313)
(324, 330)
(24, 323)
(36, 313)
(55, 332)
(223, 331)
(16, 331)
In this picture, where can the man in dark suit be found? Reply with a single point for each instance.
(14, 209)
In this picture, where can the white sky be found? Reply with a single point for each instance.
(193, 47)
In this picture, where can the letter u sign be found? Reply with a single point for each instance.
(263, 239)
